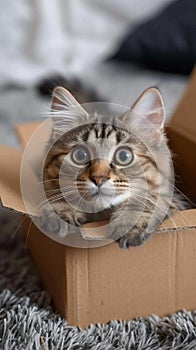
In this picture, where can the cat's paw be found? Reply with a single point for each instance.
(50, 223)
(127, 236)
(61, 224)
(75, 218)
(132, 240)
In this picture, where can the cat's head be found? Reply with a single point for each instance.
(99, 163)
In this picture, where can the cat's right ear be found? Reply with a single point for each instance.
(66, 111)
(150, 108)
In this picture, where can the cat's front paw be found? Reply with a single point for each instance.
(75, 218)
(136, 236)
(132, 240)
(62, 223)
(127, 236)
(50, 223)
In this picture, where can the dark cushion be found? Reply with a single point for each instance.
(166, 42)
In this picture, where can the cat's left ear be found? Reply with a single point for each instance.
(151, 108)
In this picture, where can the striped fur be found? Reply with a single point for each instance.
(135, 198)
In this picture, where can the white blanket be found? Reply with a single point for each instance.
(38, 37)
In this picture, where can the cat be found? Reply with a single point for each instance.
(115, 168)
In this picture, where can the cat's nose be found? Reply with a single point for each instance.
(98, 180)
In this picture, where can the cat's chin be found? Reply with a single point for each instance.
(101, 201)
(120, 198)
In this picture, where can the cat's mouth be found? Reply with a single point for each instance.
(99, 193)
(106, 193)
(101, 199)
(105, 190)
(90, 198)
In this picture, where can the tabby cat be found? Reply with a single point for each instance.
(115, 167)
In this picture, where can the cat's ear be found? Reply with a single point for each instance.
(66, 111)
(150, 107)
(62, 99)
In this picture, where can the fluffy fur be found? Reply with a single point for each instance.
(114, 167)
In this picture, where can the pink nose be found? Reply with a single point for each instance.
(98, 180)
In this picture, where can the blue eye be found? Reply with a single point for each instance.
(80, 155)
(123, 156)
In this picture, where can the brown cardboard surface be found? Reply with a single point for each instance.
(99, 284)
(10, 188)
(184, 162)
(25, 131)
(181, 132)
(10, 193)
(183, 120)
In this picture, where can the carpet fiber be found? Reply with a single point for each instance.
(28, 320)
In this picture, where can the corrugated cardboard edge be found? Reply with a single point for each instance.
(185, 219)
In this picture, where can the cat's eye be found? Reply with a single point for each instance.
(80, 155)
(123, 156)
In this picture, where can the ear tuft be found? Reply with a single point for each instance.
(62, 99)
(150, 105)
(66, 112)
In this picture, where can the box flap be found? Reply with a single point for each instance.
(10, 182)
(184, 150)
(34, 138)
(181, 220)
(183, 119)
(10, 193)
(181, 132)
(25, 131)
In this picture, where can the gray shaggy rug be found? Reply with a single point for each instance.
(28, 320)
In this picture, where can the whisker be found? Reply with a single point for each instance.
(177, 189)
(161, 209)
(18, 226)
(70, 191)
(49, 180)
(28, 233)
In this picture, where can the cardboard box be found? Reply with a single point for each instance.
(99, 284)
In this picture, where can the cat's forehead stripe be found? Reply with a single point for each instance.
(103, 131)
(85, 135)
